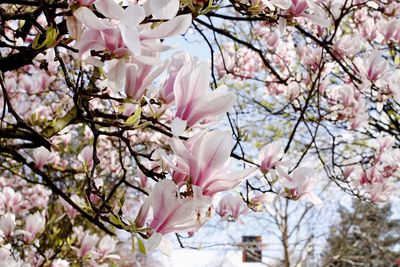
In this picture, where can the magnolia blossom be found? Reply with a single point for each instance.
(86, 156)
(105, 247)
(71, 211)
(34, 223)
(123, 38)
(302, 8)
(379, 191)
(270, 155)
(348, 45)
(87, 245)
(139, 76)
(42, 156)
(230, 207)
(299, 184)
(178, 60)
(205, 159)
(193, 100)
(171, 213)
(390, 30)
(7, 225)
(10, 200)
(372, 66)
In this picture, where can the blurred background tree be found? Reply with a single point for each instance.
(367, 235)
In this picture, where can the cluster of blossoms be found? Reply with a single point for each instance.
(376, 179)
(348, 72)
(127, 138)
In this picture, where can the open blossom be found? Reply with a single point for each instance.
(379, 191)
(42, 156)
(71, 211)
(231, 206)
(10, 200)
(270, 155)
(123, 37)
(205, 159)
(86, 156)
(171, 213)
(194, 102)
(348, 45)
(373, 66)
(299, 184)
(106, 246)
(7, 225)
(87, 245)
(34, 223)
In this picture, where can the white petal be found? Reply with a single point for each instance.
(173, 27)
(164, 9)
(90, 20)
(178, 127)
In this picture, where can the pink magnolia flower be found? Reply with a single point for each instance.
(123, 37)
(308, 9)
(205, 159)
(10, 200)
(230, 207)
(348, 45)
(34, 223)
(193, 100)
(105, 247)
(376, 66)
(171, 213)
(270, 155)
(86, 156)
(87, 245)
(390, 30)
(299, 184)
(7, 225)
(273, 40)
(139, 76)
(178, 60)
(71, 211)
(379, 191)
(42, 156)
(293, 91)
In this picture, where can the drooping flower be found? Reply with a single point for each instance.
(231, 206)
(171, 213)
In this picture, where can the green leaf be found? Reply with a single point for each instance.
(121, 201)
(141, 246)
(135, 118)
(51, 38)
